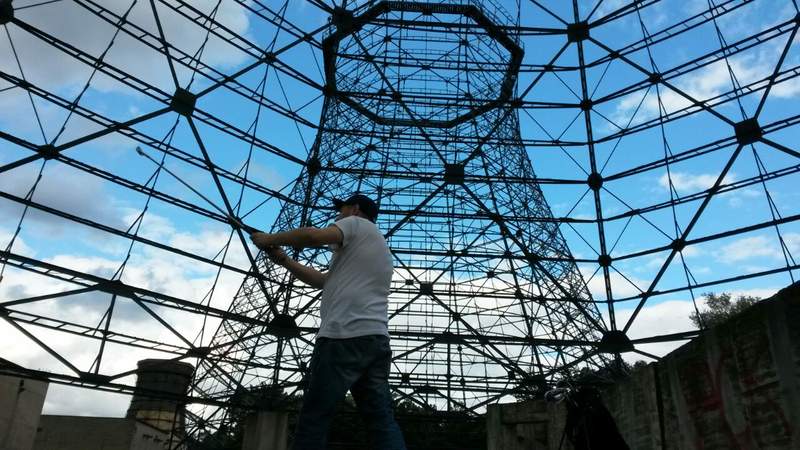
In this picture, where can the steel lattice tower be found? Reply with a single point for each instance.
(140, 141)
(485, 301)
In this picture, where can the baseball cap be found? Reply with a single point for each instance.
(365, 205)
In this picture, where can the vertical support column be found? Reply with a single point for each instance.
(160, 384)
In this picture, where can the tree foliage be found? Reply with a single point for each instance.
(721, 307)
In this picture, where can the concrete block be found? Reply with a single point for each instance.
(107, 433)
(21, 402)
(531, 425)
(267, 430)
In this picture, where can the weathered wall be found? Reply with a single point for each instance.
(266, 430)
(531, 425)
(107, 433)
(735, 387)
(21, 402)
(738, 386)
(634, 405)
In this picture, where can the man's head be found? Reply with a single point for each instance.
(356, 205)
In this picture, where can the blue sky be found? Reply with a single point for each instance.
(73, 245)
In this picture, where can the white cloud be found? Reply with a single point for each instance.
(691, 182)
(55, 71)
(17, 114)
(266, 176)
(792, 241)
(755, 292)
(81, 352)
(688, 183)
(153, 226)
(708, 82)
(740, 197)
(84, 30)
(760, 246)
(656, 261)
(128, 319)
(691, 252)
(692, 7)
(68, 400)
(744, 249)
(63, 188)
(605, 7)
(19, 247)
(148, 268)
(789, 89)
(620, 286)
(667, 317)
(701, 85)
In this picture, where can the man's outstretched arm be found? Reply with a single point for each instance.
(307, 275)
(298, 238)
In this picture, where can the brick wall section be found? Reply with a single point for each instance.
(735, 387)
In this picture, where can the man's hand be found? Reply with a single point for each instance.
(262, 240)
(270, 244)
(277, 255)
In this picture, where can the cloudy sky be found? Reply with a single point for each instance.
(242, 30)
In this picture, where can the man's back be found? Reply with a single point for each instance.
(355, 296)
(352, 350)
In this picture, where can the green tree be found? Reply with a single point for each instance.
(721, 307)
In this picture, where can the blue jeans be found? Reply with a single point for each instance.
(360, 365)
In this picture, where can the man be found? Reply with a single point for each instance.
(352, 348)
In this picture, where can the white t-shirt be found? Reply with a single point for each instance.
(356, 291)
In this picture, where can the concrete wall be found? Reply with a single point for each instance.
(21, 402)
(738, 386)
(266, 430)
(531, 425)
(634, 405)
(735, 387)
(107, 433)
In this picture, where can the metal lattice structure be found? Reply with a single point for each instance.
(484, 301)
(506, 278)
